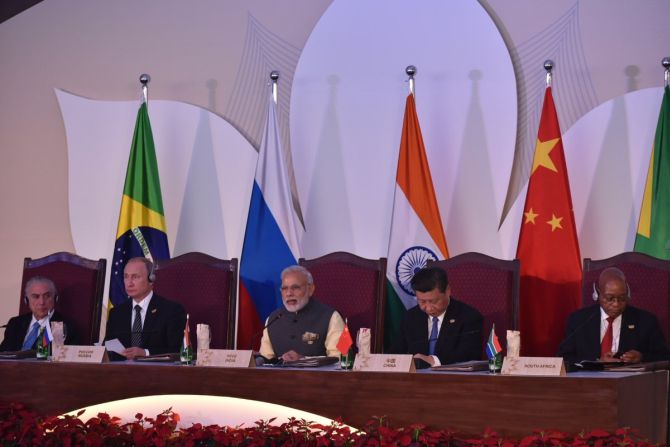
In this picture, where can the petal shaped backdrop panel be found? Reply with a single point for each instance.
(206, 169)
(607, 152)
(347, 107)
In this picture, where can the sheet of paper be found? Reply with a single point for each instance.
(114, 346)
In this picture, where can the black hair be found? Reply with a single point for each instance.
(429, 278)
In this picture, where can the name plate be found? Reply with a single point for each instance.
(533, 366)
(79, 354)
(225, 358)
(384, 363)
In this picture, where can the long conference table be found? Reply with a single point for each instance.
(468, 402)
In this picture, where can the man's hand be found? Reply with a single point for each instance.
(631, 356)
(133, 353)
(609, 357)
(426, 358)
(290, 356)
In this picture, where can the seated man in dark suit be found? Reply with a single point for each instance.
(612, 330)
(303, 326)
(440, 329)
(22, 331)
(146, 324)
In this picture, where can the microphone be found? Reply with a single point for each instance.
(259, 333)
(580, 326)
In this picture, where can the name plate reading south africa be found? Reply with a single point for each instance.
(225, 358)
(533, 366)
(79, 354)
(384, 363)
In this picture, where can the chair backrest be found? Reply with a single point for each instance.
(488, 284)
(205, 286)
(354, 286)
(80, 283)
(648, 279)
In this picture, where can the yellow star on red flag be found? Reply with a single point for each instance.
(555, 222)
(530, 216)
(542, 151)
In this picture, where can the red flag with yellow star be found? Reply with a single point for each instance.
(551, 270)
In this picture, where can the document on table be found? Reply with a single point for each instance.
(114, 346)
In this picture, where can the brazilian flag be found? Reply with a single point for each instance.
(653, 230)
(141, 230)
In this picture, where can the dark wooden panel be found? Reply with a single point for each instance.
(467, 402)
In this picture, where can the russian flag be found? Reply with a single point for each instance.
(271, 239)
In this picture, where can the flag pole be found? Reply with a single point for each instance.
(666, 64)
(144, 80)
(549, 66)
(411, 71)
(274, 77)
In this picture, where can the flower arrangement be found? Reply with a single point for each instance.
(20, 426)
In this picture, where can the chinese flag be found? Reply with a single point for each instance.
(345, 341)
(548, 249)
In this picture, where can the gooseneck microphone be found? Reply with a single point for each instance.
(259, 333)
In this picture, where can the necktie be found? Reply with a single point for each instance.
(136, 339)
(432, 341)
(608, 339)
(32, 337)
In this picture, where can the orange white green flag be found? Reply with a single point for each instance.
(417, 234)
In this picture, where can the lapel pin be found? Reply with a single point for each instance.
(631, 326)
(153, 311)
(452, 320)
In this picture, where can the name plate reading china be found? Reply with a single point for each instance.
(533, 366)
(79, 354)
(384, 363)
(225, 358)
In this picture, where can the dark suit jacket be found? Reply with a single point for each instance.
(17, 328)
(460, 337)
(163, 328)
(639, 331)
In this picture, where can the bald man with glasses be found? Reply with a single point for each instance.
(612, 330)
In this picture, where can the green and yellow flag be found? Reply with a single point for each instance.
(141, 230)
(653, 229)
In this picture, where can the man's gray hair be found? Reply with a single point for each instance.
(40, 279)
(298, 269)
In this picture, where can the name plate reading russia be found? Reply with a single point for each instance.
(533, 366)
(225, 358)
(79, 354)
(384, 363)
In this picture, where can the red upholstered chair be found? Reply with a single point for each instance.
(648, 278)
(489, 285)
(354, 286)
(205, 286)
(80, 283)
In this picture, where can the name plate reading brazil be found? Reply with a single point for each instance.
(79, 354)
(384, 363)
(533, 366)
(225, 358)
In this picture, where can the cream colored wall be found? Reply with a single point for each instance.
(98, 50)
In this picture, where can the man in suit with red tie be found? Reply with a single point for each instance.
(612, 330)
(145, 324)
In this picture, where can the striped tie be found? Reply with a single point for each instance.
(136, 339)
(31, 338)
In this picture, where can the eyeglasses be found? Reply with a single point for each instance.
(293, 288)
(611, 299)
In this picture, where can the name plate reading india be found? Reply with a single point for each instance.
(225, 358)
(79, 354)
(384, 363)
(533, 366)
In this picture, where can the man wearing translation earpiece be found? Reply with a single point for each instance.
(22, 331)
(612, 330)
(145, 324)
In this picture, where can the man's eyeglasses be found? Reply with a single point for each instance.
(293, 288)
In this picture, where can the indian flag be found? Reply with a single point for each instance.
(417, 234)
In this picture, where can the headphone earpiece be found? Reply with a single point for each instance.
(595, 295)
(25, 299)
(152, 274)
